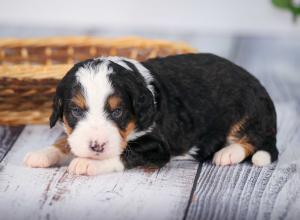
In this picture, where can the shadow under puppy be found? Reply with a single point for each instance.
(119, 113)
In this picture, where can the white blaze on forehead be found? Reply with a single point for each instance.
(95, 126)
(96, 86)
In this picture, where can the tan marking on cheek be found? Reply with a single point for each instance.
(113, 102)
(124, 133)
(79, 100)
(62, 145)
(68, 129)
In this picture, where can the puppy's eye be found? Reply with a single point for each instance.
(117, 113)
(77, 112)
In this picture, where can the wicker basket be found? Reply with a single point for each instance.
(31, 68)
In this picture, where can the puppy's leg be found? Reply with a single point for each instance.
(208, 144)
(146, 151)
(250, 136)
(49, 156)
(232, 154)
(90, 167)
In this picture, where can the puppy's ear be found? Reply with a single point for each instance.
(144, 108)
(57, 107)
(141, 97)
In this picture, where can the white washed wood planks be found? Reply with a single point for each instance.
(130, 195)
(54, 194)
(8, 136)
(22, 190)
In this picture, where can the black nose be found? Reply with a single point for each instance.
(95, 146)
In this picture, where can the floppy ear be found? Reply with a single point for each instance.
(141, 97)
(144, 108)
(57, 107)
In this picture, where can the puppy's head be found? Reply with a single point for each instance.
(103, 103)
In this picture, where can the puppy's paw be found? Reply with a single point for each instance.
(83, 166)
(43, 158)
(90, 167)
(231, 154)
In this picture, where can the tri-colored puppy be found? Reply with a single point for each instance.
(119, 113)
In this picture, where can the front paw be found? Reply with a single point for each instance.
(90, 167)
(82, 166)
(43, 158)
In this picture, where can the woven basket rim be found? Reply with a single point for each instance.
(127, 41)
(23, 71)
(28, 70)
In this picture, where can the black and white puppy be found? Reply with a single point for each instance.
(119, 113)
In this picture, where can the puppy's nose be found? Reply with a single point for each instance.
(95, 146)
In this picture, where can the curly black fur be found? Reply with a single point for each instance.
(199, 97)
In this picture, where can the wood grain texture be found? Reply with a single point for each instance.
(134, 194)
(22, 190)
(8, 136)
(54, 194)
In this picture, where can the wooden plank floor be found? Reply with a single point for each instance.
(53, 193)
(182, 189)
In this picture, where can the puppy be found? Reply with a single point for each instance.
(119, 113)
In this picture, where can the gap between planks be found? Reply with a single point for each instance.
(8, 136)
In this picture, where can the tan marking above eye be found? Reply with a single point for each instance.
(79, 100)
(113, 102)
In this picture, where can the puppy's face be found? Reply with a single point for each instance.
(102, 105)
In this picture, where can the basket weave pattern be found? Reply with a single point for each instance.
(30, 69)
